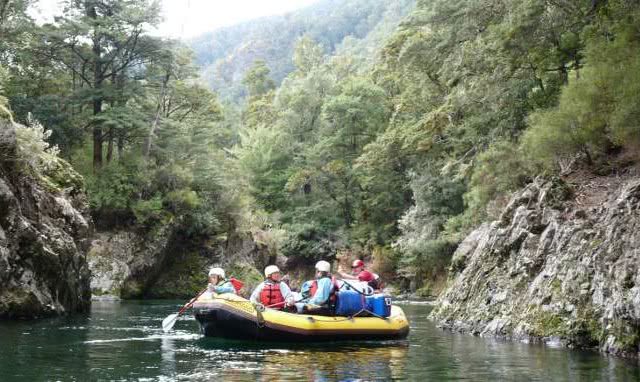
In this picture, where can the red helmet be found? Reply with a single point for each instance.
(357, 263)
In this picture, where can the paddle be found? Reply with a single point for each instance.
(280, 304)
(167, 323)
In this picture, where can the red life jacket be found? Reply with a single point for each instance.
(332, 295)
(237, 284)
(271, 295)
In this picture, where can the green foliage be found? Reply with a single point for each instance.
(257, 80)
(422, 148)
(598, 109)
(355, 27)
(464, 103)
(307, 55)
(183, 278)
(41, 159)
(34, 148)
(422, 242)
(310, 243)
(5, 113)
(149, 212)
(246, 273)
(498, 171)
(263, 160)
(115, 188)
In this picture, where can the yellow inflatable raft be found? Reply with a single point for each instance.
(231, 316)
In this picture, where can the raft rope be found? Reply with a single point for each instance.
(351, 317)
(355, 289)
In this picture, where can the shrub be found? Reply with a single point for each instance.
(33, 148)
(498, 171)
(149, 212)
(597, 110)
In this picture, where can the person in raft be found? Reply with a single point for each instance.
(218, 283)
(322, 291)
(271, 293)
(358, 272)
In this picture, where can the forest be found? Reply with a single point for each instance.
(390, 138)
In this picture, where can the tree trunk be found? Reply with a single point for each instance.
(120, 145)
(110, 146)
(564, 74)
(347, 212)
(97, 137)
(97, 86)
(156, 119)
(4, 7)
(587, 154)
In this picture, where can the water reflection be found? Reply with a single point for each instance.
(363, 361)
(168, 351)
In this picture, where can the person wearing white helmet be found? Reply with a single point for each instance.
(322, 291)
(218, 283)
(271, 293)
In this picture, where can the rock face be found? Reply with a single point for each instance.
(165, 264)
(124, 263)
(540, 273)
(44, 230)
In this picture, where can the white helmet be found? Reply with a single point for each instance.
(323, 266)
(270, 270)
(216, 272)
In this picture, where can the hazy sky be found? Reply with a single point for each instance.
(187, 18)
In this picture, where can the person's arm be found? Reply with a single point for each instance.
(226, 287)
(255, 296)
(285, 290)
(322, 294)
(347, 276)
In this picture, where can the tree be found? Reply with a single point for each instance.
(257, 80)
(351, 120)
(101, 41)
(307, 55)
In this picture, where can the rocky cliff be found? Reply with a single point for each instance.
(44, 230)
(164, 263)
(553, 269)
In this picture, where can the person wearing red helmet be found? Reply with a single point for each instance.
(358, 272)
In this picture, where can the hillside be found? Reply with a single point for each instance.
(354, 26)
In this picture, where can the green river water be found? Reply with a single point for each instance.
(123, 341)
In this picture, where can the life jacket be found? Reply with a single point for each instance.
(376, 283)
(271, 296)
(332, 295)
(237, 284)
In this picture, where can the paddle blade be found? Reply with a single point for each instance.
(167, 323)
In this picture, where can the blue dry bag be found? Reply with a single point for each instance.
(349, 303)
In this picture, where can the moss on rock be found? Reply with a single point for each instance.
(246, 273)
(183, 278)
(547, 324)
